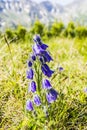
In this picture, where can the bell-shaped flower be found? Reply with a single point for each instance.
(37, 49)
(30, 73)
(61, 69)
(29, 105)
(37, 100)
(29, 63)
(46, 70)
(51, 96)
(37, 39)
(47, 56)
(32, 87)
(46, 84)
(41, 59)
(44, 46)
(33, 57)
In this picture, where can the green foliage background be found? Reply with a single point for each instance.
(57, 29)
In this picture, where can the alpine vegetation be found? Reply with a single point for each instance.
(41, 93)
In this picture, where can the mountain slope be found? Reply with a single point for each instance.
(78, 11)
(25, 12)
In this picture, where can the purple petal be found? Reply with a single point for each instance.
(37, 39)
(32, 87)
(37, 49)
(44, 46)
(29, 63)
(46, 70)
(41, 59)
(46, 84)
(60, 69)
(51, 95)
(37, 100)
(47, 57)
(29, 106)
(33, 57)
(30, 73)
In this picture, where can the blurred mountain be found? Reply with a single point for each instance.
(25, 12)
(78, 11)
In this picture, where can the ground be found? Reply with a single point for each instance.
(69, 112)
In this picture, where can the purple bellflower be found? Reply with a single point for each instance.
(60, 69)
(51, 95)
(29, 105)
(47, 57)
(29, 63)
(32, 87)
(46, 70)
(30, 73)
(33, 57)
(41, 59)
(40, 49)
(44, 46)
(46, 84)
(37, 49)
(37, 39)
(37, 100)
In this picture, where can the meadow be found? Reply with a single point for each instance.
(69, 112)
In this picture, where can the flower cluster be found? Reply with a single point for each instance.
(37, 83)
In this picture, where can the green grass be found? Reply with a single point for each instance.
(69, 112)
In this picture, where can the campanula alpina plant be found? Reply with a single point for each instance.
(41, 92)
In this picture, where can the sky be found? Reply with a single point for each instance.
(62, 2)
